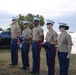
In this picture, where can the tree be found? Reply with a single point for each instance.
(9, 28)
(29, 17)
(21, 18)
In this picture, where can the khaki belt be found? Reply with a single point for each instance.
(25, 41)
(36, 41)
(14, 38)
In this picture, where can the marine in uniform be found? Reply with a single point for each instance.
(49, 45)
(38, 37)
(64, 48)
(27, 34)
(15, 31)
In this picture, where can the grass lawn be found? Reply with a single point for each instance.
(5, 69)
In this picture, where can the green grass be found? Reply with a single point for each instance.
(5, 69)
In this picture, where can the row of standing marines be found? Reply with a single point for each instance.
(63, 42)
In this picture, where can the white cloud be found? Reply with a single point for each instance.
(46, 7)
(52, 9)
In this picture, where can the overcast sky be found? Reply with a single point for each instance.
(56, 10)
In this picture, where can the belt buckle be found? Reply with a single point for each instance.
(34, 40)
(23, 41)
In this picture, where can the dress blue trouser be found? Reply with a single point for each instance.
(36, 56)
(50, 57)
(25, 54)
(63, 62)
(14, 52)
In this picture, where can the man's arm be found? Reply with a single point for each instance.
(18, 33)
(55, 39)
(42, 38)
(69, 49)
(69, 42)
(41, 35)
(18, 30)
